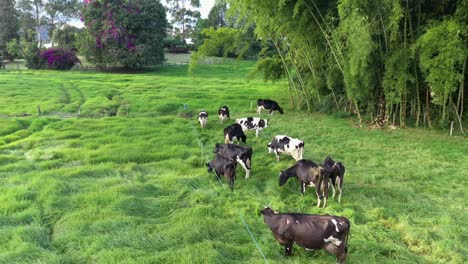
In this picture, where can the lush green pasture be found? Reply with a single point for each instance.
(113, 172)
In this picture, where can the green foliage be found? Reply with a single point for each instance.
(222, 42)
(184, 19)
(8, 26)
(125, 33)
(442, 51)
(66, 37)
(355, 30)
(13, 48)
(362, 51)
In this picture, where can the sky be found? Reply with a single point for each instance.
(205, 7)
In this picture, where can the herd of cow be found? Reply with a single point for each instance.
(309, 231)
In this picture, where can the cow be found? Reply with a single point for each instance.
(223, 113)
(309, 231)
(203, 118)
(223, 166)
(309, 174)
(232, 132)
(336, 171)
(268, 104)
(243, 155)
(252, 123)
(287, 145)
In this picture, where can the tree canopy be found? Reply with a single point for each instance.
(122, 32)
(386, 61)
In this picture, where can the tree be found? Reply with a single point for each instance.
(65, 36)
(8, 25)
(217, 15)
(183, 18)
(129, 33)
(58, 12)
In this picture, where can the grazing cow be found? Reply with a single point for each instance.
(286, 145)
(223, 113)
(223, 166)
(309, 174)
(268, 104)
(252, 123)
(336, 171)
(203, 118)
(243, 155)
(309, 231)
(234, 131)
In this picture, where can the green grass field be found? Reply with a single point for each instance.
(113, 172)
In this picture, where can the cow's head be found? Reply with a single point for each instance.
(270, 149)
(283, 178)
(217, 148)
(328, 160)
(263, 123)
(267, 211)
(209, 166)
(280, 110)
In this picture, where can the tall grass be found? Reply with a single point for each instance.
(123, 180)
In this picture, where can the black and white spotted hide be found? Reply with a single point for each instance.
(252, 123)
(203, 118)
(223, 113)
(287, 145)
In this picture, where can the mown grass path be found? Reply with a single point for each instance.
(113, 172)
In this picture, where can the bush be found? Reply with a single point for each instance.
(59, 59)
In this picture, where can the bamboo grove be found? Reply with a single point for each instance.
(388, 61)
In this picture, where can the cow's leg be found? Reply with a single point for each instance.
(277, 155)
(226, 139)
(341, 253)
(303, 187)
(247, 171)
(333, 189)
(271, 112)
(340, 188)
(288, 248)
(256, 132)
(318, 199)
(325, 191)
(231, 182)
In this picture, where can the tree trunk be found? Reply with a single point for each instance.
(38, 23)
(427, 113)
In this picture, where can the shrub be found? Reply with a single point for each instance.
(59, 59)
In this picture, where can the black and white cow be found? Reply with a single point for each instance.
(286, 145)
(309, 231)
(241, 154)
(268, 104)
(223, 165)
(336, 171)
(309, 174)
(223, 113)
(203, 118)
(252, 123)
(232, 132)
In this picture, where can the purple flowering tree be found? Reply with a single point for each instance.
(59, 59)
(126, 33)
